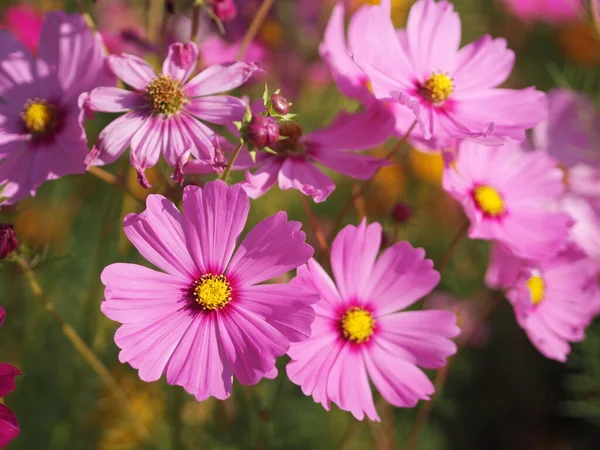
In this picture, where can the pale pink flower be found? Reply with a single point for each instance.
(206, 318)
(358, 334)
(165, 112)
(41, 132)
(553, 11)
(335, 147)
(554, 299)
(510, 196)
(453, 93)
(9, 427)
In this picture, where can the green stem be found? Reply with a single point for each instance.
(253, 28)
(236, 153)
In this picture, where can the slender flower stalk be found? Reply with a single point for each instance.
(81, 347)
(236, 153)
(253, 28)
(314, 225)
(460, 234)
(195, 23)
(110, 178)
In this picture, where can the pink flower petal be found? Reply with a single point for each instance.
(503, 269)
(214, 218)
(353, 256)
(177, 143)
(221, 109)
(8, 373)
(304, 176)
(146, 144)
(258, 183)
(313, 277)
(362, 167)
(158, 235)
(116, 137)
(220, 78)
(133, 70)
(181, 61)
(273, 247)
(204, 139)
(401, 276)
(9, 427)
(136, 294)
(17, 68)
(111, 99)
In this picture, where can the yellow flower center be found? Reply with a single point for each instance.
(39, 117)
(373, 2)
(489, 200)
(212, 291)
(166, 95)
(357, 325)
(537, 288)
(437, 88)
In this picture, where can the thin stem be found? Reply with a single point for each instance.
(195, 23)
(253, 28)
(462, 232)
(81, 347)
(236, 153)
(359, 201)
(114, 180)
(86, 15)
(314, 225)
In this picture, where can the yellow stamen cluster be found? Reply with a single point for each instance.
(489, 200)
(212, 291)
(437, 88)
(166, 95)
(357, 325)
(39, 117)
(537, 288)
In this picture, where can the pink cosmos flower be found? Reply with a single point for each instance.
(41, 132)
(509, 195)
(359, 335)
(163, 111)
(553, 11)
(206, 318)
(554, 299)
(9, 427)
(453, 93)
(25, 23)
(293, 167)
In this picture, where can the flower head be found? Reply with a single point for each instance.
(164, 113)
(9, 427)
(554, 299)
(359, 335)
(510, 196)
(453, 93)
(205, 318)
(41, 130)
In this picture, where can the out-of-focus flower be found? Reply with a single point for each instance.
(41, 129)
(120, 25)
(451, 92)
(9, 427)
(225, 10)
(8, 240)
(554, 299)
(553, 11)
(206, 319)
(293, 167)
(164, 112)
(509, 195)
(358, 333)
(579, 43)
(262, 131)
(25, 23)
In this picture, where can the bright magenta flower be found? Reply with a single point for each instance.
(453, 93)
(207, 318)
(25, 23)
(358, 333)
(9, 427)
(41, 132)
(163, 111)
(553, 11)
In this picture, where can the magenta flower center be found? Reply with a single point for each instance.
(357, 325)
(212, 291)
(39, 117)
(437, 88)
(165, 95)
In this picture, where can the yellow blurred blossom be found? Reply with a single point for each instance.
(579, 43)
(427, 167)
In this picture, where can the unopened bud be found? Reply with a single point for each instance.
(8, 240)
(225, 10)
(279, 104)
(291, 130)
(401, 212)
(263, 131)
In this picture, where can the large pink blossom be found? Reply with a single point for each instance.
(165, 112)
(553, 11)
(510, 196)
(9, 427)
(554, 299)
(205, 318)
(41, 132)
(359, 335)
(335, 147)
(453, 93)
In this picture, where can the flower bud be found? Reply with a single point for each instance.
(225, 10)
(8, 240)
(279, 104)
(291, 130)
(401, 212)
(263, 131)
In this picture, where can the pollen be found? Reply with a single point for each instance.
(437, 88)
(357, 325)
(489, 200)
(537, 288)
(165, 95)
(212, 291)
(39, 117)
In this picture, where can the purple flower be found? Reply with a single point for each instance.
(9, 427)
